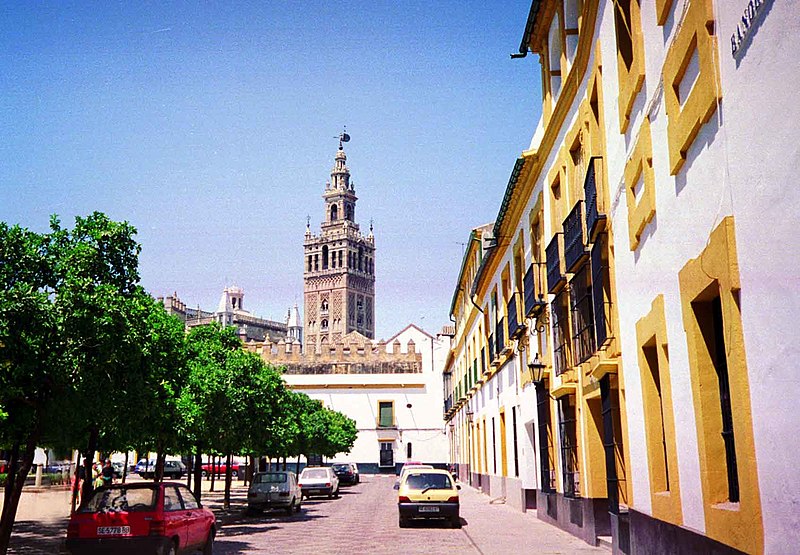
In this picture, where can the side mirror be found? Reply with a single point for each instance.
(396, 486)
(458, 486)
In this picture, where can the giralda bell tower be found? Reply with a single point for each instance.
(339, 277)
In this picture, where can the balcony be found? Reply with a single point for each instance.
(575, 252)
(595, 218)
(532, 284)
(502, 347)
(555, 275)
(516, 325)
(492, 353)
(484, 370)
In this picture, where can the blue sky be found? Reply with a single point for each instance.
(212, 127)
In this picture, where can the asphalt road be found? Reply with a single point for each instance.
(362, 520)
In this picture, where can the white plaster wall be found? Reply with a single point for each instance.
(421, 423)
(743, 163)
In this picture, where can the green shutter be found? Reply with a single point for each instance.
(386, 415)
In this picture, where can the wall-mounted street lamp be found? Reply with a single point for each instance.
(470, 415)
(536, 368)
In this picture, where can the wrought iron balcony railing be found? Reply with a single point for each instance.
(595, 218)
(575, 252)
(492, 352)
(500, 336)
(532, 284)
(555, 273)
(516, 322)
(600, 298)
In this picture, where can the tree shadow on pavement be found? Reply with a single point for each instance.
(35, 536)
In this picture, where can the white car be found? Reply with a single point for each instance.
(319, 480)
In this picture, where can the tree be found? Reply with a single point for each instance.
(32, 373)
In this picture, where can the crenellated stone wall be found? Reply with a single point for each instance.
(354, 354)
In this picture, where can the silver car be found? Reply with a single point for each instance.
(319, 480)
(277, 489)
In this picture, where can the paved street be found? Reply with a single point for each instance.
(362, 520)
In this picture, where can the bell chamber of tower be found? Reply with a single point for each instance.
(339, 266)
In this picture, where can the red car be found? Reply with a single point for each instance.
(220, 469)
(163, 519)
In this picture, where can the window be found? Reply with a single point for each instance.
(172, 501)
(334, 212)
(561, 358)
(408, 450)
(386, 454)
(189, 501)
(386, 414)
(569, 446)
(710, 298)
(324, 325)
(691, 75)
(325, 257)
(640, 186)
(583, 344)
(554, 59)
(545, 437)
(316, 262)
(659, 421)
(516, 446)
(630, 56)
(324, 305)
(310, 261)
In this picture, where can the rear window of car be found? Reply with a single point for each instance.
(428, 481)
(120, 500)
(270, 478)
(315, 473)
(340, 467)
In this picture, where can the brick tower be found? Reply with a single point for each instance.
(339, 276)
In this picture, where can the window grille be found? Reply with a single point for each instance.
(583, 344)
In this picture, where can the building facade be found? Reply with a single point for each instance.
(339, 276)
(231, 312)
(623, 329)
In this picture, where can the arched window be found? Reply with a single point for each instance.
(324, 325)
(324, 306)
(334, 212)
(325, 257)
(309, 262)
(348, 211)
(360, 258)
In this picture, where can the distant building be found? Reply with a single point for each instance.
(339, 277)
(230, 312)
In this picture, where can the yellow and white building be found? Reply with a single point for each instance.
(632, 307)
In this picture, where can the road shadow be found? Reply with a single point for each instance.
(35, 536)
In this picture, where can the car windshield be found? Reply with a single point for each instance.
(120, 500)
(270, 478)
(341, 467)
(315, 473)
(428, 481)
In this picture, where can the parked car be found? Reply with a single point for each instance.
(428, 493)
(220, 469)
(271, 490)
(345, 473)
(162, 518)
(172, 469)
(319, 480)
(57, 467)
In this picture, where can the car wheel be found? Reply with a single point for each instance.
(456, 522)
(172, 550)
(402, 522)
(336, 495)
(204, 474)
(208, 548)
(235, 473)
(291, 508)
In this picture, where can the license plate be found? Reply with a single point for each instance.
(428, 509)
(313, 491)
(113, 530)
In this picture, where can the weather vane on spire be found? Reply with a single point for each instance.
(343, 137)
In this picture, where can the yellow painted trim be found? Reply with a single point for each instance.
(684, 122)
(659, 417)
(630, 80)
(640, 165)
(716, 271)
(561, 389)
(663, 8)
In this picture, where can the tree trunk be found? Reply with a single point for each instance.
(228, 478)
(10, 505)
(88, 481)
(198, 473)
(297, 466)
(125, 468)
(158, 475)
(76, 484)
(189, 470)
(214, 469)
(251, 467)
